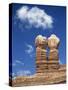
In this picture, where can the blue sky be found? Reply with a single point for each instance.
(25, 29)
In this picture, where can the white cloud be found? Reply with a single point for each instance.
(13, 64)
(35, 17)
(60, 61)
(17, 62)
(29, 49)
(13, 74)
(23, 72)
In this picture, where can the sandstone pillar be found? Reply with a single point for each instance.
(41, 58)
(53, 57)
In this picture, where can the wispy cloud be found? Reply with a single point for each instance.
(29, 49)
(17, 62)
(60, 61)
(13, 75)
(23, 72)
(13, 64)
(35, 17)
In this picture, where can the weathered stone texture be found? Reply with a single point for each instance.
(49, 77)
(41, 58)
(53, 57)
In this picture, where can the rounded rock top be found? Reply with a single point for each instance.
(40, 37)
(40, 40)
(53, 36)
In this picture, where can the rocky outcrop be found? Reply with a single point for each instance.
(50, 77)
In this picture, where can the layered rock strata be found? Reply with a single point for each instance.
(41, 57)
(53, 57)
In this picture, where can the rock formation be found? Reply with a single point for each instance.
(53, 57)
(51, 77)
(41, 57)
(43, 62)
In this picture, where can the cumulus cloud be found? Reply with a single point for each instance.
(35, 17)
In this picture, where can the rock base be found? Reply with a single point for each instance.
(49, 77)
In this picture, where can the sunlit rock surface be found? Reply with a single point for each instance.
(50, 77)
(53, 57)
(41, 57)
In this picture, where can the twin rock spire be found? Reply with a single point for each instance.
(46, 62)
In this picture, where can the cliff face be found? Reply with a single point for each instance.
(49, 77)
